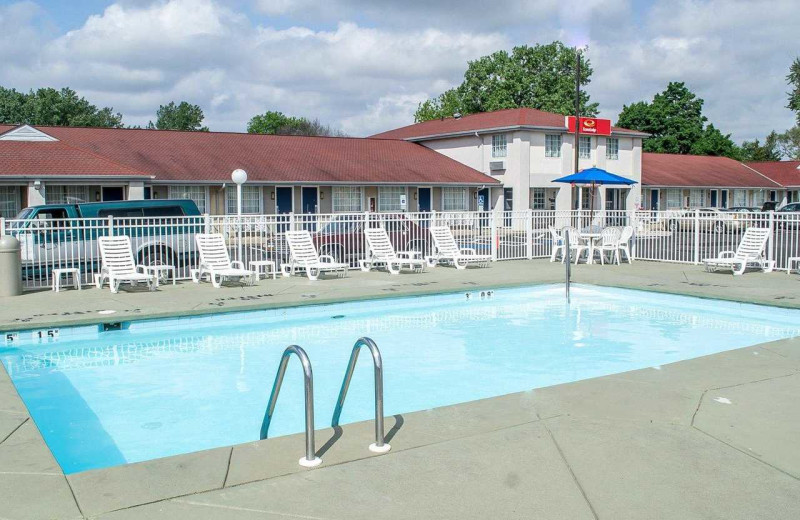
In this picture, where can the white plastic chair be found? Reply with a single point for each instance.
(608, 243)
(118, 265)
(575, 243)
(303, 256)
(448, 251)
(749, 253)
(557, 244)
(216, 263)
(625, 242)
(382, 253)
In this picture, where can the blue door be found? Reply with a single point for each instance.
(283, 200)
(424, 196)
(654, 200)
(308, 198)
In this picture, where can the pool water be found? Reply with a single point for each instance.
(164, 387)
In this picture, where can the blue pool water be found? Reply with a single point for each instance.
(165, 387)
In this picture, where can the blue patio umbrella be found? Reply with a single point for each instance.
(595, 177)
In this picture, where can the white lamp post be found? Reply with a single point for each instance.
(239, 176)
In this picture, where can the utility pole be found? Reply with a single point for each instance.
(577, 102)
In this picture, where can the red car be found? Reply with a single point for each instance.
(343, 236)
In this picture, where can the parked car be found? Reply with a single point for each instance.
(769, 205)
(55, 235)
(343, 237)
(792, 207)
(712, 220)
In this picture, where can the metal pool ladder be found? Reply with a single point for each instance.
(379, 446)
(310, 460)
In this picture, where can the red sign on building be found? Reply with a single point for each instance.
(590, 125)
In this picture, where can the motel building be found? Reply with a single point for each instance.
(525, 149)
(57, 165)
(671, 181)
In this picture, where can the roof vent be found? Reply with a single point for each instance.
(457, 115)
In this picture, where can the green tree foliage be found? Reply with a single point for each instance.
(277, 123)
(542, 77)
(676, 123)
(789, 144)
(48, 106)
(755, 151)
(793, 79)
(183, 116)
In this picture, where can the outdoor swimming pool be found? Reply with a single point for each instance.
(165, 387)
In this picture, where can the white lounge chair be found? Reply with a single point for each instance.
(448, 251)
(118, 265)
(557, 244)
(382, 253)
(216, 263)
(303, 256)
(575, 243)
(749, 253)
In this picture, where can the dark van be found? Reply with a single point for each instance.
(65, 235)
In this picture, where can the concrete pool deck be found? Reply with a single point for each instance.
(712, 437)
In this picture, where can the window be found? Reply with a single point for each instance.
(499, 146)
(697, 198)
(585, 147)
(674, 198)
(9, 201)
(120, 213)
(612, 148)
(251, 200)
(454, 199)
(552, 145)
(197, 194)
(389, 198)
(739, 198)
(538, 198)
(586, 198)
(759, 197)
(55, 194)
(346, 199)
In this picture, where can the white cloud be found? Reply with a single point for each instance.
(312, 59)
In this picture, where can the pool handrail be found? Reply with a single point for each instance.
(310, 460)
(379, 446)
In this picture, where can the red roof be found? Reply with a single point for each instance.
(211, 156)
(665, 169)
(786, 173)
(48, 158)
(509, 118)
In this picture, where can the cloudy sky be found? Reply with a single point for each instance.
(363, 66)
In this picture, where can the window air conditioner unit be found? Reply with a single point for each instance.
(497, 166)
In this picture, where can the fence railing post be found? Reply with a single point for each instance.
(207, 223)
(110, 226)
(696, 236)
(770, 242)
(291, 221)
(2, 226)
(529, 233)
(493, 236)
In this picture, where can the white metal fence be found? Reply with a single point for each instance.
(666, 236)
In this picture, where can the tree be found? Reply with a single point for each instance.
(542, 77)
(676, 123)
(793, 79)
(48, 106)
(277, 123)
(789, 143)
(179, 117)
(755, 151)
